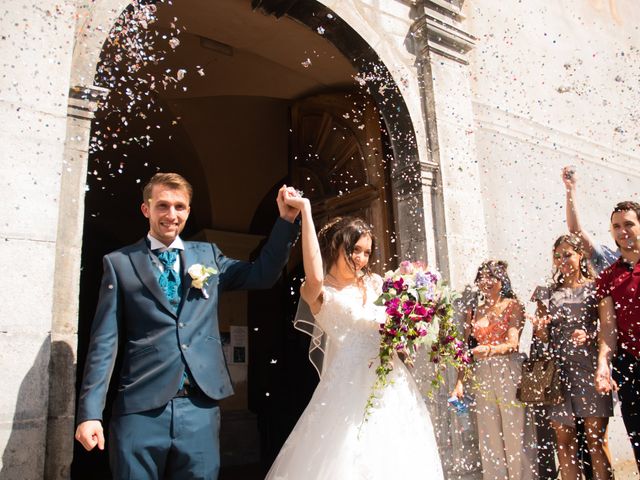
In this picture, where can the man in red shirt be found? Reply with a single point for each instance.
(619, 309)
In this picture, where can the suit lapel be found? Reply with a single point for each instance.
(142, 264)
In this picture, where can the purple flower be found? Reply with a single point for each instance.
(422, 279)
(399, 285)
(434, 277)
(420, 310)
(392, 308)
(407, 307)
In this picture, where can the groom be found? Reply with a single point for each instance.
(158, 305)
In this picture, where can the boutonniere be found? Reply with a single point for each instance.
(199, 275)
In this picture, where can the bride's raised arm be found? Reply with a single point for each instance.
(311, 290)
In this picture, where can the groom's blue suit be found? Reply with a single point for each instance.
(157, 342)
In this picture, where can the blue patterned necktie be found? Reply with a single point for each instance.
(170, 283)
(169, 279)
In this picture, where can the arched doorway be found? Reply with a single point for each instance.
(237, 121)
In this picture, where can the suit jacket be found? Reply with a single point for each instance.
(157, 341)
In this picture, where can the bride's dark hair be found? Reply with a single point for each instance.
(343, 232)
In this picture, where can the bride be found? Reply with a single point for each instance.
(332, 439)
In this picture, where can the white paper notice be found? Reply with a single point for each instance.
(238, 343)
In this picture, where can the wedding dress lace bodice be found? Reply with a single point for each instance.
(331, 439)
(351, 324)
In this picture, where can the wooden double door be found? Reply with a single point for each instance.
(339, 158)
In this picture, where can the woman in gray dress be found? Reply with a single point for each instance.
(567, 318)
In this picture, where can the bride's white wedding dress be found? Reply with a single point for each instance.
(330, 441)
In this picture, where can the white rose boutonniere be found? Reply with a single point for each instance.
(199, 275)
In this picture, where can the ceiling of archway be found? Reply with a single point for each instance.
(270, 57)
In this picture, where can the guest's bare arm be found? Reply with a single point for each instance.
(541, 322)
(607, 341)
(573, 220)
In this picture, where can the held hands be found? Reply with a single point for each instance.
(294, 200)
(288, 210)
(90, 434)
(604, 382)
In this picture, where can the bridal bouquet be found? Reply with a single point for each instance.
(419, 314)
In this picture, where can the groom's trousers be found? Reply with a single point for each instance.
(178, 442)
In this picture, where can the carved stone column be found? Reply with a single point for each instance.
(409, 212)
(83, 102)
(437, 33)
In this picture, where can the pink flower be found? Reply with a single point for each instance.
(392, 307)
(399, 285)
(406, 268)
(420, 310)
(408, 306)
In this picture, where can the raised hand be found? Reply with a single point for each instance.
(569, 177)
(293, 198)
(287, 211)
(90, 434)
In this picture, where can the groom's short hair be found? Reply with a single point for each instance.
(171, 180)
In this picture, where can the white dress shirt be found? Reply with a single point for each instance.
(156, 245)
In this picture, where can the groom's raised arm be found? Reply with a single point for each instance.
(265, 270)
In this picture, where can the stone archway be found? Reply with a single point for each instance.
(407, 172)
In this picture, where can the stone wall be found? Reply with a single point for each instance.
(35, 59)
(554, 83)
